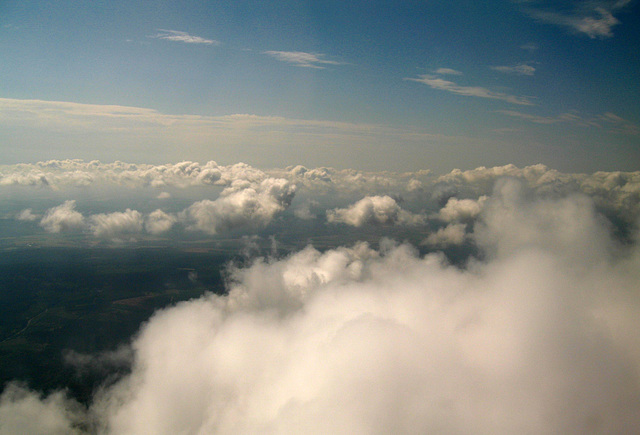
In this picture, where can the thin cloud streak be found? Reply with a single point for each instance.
(469, 91)
(301, 59)
(522, 69)
(179, 36)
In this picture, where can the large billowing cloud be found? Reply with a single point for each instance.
(538, 337)
(62, 218)
(158, 222)
(377, 210)
(117, 224)
(461, 209)
(242, 204)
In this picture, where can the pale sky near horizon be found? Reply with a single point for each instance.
(370, 85)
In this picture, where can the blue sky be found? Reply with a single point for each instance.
(366, 84)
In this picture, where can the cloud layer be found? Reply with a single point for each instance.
(540, 336)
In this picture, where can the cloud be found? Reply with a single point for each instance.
(144, 127)
(62, 218)
(594, 19)
(376, 210)
(178, 36)
(302, 59)
(452, 234)
(303, 211)
(609, 120)
(240, 205)
(539, 335)
(469, 91)
(26, 215)
(22, 411)
(619, 124)
(530, 46)
(448, 71)
(158, 222)
(461, 209)
(522, 69)
(117, 225)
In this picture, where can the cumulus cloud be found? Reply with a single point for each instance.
(26, 215)
(117, 225)
(22, 411)
(62, 218)
(461, 209)
(242, 204)
(452, 234)
(158, 222)
(540, 336)
(376, 210)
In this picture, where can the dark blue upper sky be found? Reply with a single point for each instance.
(367, 84)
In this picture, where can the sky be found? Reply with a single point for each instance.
(371, 85)
(436, 204)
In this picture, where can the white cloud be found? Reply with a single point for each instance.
(62, 218)
(117, 225)
(469, 91)
(448, 71)
(461, 209)
(246, 204)
(22, 411)
(164, 195)
(593, 18)
(145, 128)
(540, 336)
(26, 215)
(158, 222)
(522, 69)
(376, 210)
(452, 234)
(178, 36)
(301, 59)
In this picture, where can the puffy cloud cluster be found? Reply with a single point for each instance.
(240, 205)
(26, 215)
(117, 224)
(63, 218)
(158, 222)
(452, 234)
(243, 203)
(376, 210)
(539, 337)
(618, 191)
(62, 173)
(461, 209)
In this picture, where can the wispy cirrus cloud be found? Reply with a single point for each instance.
(302, 59)
(179, 36)
(435, 82)
(530, 46)
(448, 71)
(609, 120)
(592, 18)
(522, 69)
